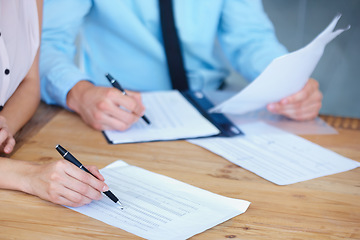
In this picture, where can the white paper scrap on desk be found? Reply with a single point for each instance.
(277, 156)
(283, 77)
(159, 207)
(172, 117)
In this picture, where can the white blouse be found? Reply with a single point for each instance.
(19, 42)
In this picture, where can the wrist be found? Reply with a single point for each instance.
(75, 95)
(15, 174)
(26, 176)
(4, 125)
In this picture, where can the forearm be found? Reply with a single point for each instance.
(22, 105)
(12, 174)
(59, 72)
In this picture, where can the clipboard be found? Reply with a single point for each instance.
(175, 115)
(203, 104)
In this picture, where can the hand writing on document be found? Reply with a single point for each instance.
(99, 107)
(301, 106)
(7, 141)
(61, 182)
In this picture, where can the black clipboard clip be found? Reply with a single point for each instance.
(203, 104)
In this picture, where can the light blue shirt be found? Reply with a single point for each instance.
(123, 38)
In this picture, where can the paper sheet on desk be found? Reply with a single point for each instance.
(277, 156)
(159, 207)
(283, 77)
(172, 117)
(315, 126)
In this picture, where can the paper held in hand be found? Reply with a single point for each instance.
(283, 77)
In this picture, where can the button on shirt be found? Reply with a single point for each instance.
(19, 42)
(124, 39)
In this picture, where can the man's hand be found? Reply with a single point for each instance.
(99, 107)
(7, 141)
(301, 106)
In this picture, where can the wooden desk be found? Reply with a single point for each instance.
(323, 208)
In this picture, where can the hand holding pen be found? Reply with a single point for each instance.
(117, 85)
(99, 107)
(61, 182)
(69, 157)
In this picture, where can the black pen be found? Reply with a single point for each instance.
(117, 85)
(67, 156)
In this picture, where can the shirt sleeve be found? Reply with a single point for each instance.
(58, 71)
(247, 37)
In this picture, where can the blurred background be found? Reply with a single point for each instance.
(297, 22)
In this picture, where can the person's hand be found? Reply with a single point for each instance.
(301, 106)
(100, 108)
(61, 182)
(7, 141)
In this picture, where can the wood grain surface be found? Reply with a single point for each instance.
(322, 208)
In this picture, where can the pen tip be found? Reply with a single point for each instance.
(121, 206)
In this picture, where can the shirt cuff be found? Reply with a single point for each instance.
(58, 87)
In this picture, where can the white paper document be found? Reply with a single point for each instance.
(172, 117)
(159, 207)
(277, 156)
(316, 126)
(283, 77)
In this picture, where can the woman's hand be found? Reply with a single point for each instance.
(7, 141)
(61, 182)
